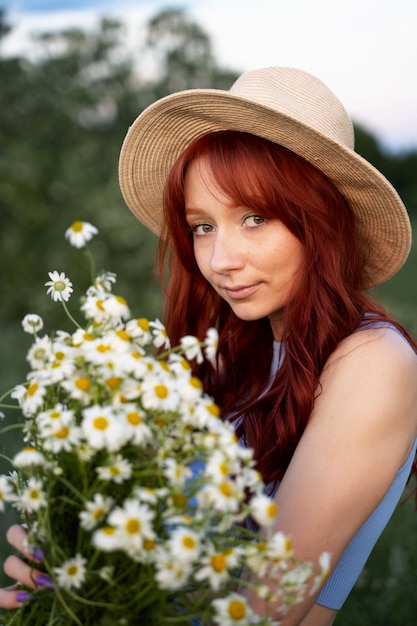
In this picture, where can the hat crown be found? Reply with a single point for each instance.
(299, 95)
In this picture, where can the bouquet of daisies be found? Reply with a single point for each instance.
(133, 490)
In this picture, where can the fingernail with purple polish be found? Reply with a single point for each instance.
(38, 554)
(44, 581)
(23, 596)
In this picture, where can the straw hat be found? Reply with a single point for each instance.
(289, 107)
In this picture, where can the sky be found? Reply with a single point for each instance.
(364, 50)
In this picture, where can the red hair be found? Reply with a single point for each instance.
(328, 303)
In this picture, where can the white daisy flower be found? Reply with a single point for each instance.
(211, 342)
(176, 473)
(79, 233)
(140, 329)
(102, 428)
(56, 415)
(159, 394)
(116, 307)
(106, 539)
(79, 388)
(61, 436)
(7, 493)
(171, 572)
(217, 567)
(137, 431)
(94, 511)
(32, 323)
(232, 611)
(117, 471)
(29, 398)
(133, 522)
(179, 365)
(40, 352)
(184, 545)
(60, 287)
(72, 573)
(325, 571)
(192, 348)
(28, 457)
(93, 307)
(279, 547)
(82, 337)
(32, 497)
(191, 390)
(263, 509)
(105, 281)
(224, 496)
(219, 466)
(160, 335)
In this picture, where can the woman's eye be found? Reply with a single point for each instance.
(201, 229)
(253, 220)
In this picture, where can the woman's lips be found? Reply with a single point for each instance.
(240, 292)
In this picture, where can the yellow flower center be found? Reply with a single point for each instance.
(59, 285)
(224, 468)
(226, 489)
(62, 434)
(98, 514)
(122, 334)
(54, 415)
(272, 510)
(77, 227)
(237, 610)
(133, 526)
(161, 391)
(101, 422)
(218, 562)
(189, 542)
(102, 348)
(121, 300)
(149, 544)
(196, 382)
(32, 389)
(72, 570)
(213, 409)
(82, 383)
(143, 323)
(113, 382)
(134, 418)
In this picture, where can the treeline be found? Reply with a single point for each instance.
(63, 118)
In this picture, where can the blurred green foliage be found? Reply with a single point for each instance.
(63, 117)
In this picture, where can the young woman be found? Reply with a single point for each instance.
(274, 228)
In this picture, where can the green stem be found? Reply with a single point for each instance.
(74, 321)
(92, 263)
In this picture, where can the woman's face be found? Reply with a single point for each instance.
(252, 262)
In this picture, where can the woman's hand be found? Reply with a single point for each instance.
(23, 571)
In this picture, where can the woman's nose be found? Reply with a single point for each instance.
(227, 254)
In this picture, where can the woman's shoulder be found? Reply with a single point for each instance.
(381, 343)
(370, 380)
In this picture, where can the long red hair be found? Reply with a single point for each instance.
(328, 304)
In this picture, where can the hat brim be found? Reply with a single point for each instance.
(159, 135)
